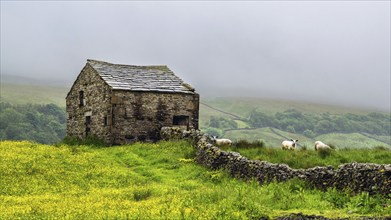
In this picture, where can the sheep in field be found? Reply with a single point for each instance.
(221, 141)
(289, 145)
(319, 145)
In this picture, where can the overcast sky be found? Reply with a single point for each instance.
(324, 51)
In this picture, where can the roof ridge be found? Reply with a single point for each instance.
(118, 64)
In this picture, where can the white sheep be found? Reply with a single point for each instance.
(289, 145)
(319, 145)
(221, 141)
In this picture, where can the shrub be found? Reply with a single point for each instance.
(212, 131)
(339, 199)
(142, 194)
(324, 153)
(247, 144)
(303, 148)
(381, 148)
(364, 203)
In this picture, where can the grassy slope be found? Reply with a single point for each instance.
(243, 106)
(268, 137)
(149, 181)
(22, 94)
(353, 140)
(18, 94)
(309, 158)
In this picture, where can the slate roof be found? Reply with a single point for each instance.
(140, 78)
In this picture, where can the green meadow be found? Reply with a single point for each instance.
(152, 181)
(339, 140)
(305, 158)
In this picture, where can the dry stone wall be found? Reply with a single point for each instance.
(358, 177)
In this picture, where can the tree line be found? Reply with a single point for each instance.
(310, 124)
(41, 123)
(47, 123)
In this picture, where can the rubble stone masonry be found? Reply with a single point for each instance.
(357, 177)
(125, 116)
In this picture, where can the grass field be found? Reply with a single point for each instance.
(339, 140)
(151, 181)
(353, 140)
(304, 158)
(267, 136)
(36, 94)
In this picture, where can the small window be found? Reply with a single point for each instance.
(88, 120)
(81, 98)
(105, 121)
(181, 120)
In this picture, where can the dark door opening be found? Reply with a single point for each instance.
(88, 125)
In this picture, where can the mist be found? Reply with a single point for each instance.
(319, 51)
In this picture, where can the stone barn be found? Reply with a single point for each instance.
(124, 103)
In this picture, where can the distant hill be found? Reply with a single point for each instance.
(230, 118)
(234, 111)
(23, 80)
(22, 92)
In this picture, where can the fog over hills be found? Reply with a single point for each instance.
(318, 51)
(26, 80)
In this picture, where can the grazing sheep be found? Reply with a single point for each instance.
(289, 145)
(319, 145)
(221, 141)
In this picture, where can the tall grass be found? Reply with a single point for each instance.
(304, 158)
(150, 181)
(242, 144)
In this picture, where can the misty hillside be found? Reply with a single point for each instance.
(23, 90)
(24, 80)
(268, 120)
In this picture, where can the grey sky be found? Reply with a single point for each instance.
(324, 51)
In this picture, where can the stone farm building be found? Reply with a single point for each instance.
(124, 103)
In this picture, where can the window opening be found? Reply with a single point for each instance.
(81, 98)
(181, 120)
(105, 121)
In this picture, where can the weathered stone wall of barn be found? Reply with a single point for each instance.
(139, 116)
(358, 177)
(97, 96)
(121, 116)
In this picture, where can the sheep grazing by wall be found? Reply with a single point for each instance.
(221, 141)
(289, 145)
(319, 145)
(358, 177)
